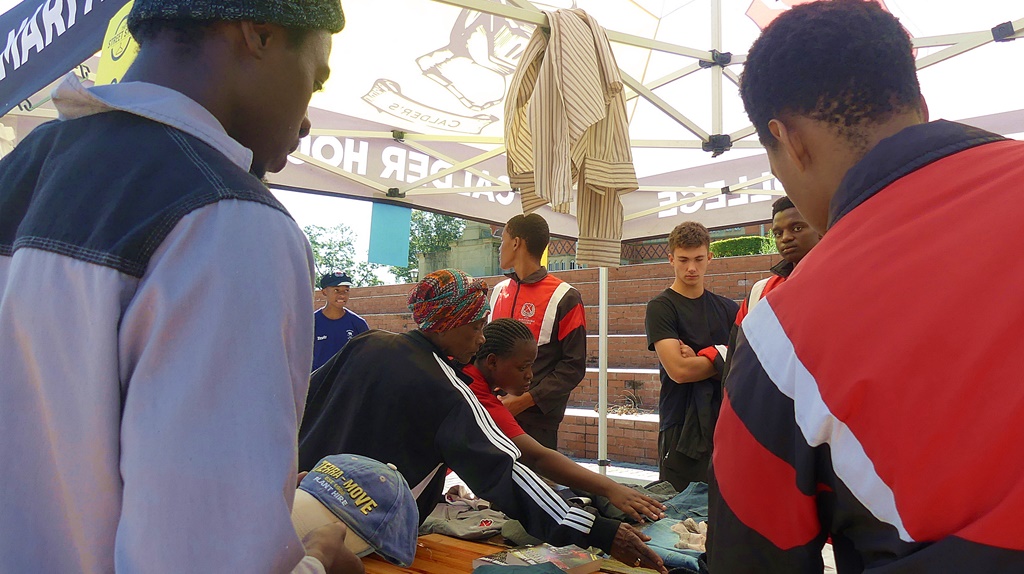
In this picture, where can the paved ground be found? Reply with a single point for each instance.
(624, 471)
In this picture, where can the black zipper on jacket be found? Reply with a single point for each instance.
(515, 298)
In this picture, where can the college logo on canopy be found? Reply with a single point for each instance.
(474, 67)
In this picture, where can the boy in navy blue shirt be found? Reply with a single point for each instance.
(335, 324)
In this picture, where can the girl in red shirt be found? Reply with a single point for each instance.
(505, 363)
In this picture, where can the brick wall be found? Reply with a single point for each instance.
(629, 351)
(625, 387)
(630, 438)
(728, 276)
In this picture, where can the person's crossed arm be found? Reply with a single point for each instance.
(681, 363)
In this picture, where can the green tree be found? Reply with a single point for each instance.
(334, 250)
(430, 233)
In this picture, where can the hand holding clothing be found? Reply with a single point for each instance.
(636, 505)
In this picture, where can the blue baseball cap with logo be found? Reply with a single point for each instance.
(371, 498)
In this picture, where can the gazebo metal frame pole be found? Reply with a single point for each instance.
(602, 376)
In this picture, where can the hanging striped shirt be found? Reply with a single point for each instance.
(565, 122)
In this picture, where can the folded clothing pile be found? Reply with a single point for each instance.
(693, 535)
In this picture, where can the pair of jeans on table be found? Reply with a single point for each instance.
(692, 502)
(661, 491)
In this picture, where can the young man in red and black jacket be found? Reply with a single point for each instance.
(794, 238)
(864, 401)
(553, 310)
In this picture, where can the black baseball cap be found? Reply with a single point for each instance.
(335, 279)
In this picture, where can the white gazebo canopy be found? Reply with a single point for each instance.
(413, 112)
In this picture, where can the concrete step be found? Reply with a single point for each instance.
(624, 351)
(730, 277)
(622, 320)
(394, 322)
(634, 292)
(377, 303)
(732, 284)
(627, 319)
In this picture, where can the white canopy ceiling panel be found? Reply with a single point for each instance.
(418, 86)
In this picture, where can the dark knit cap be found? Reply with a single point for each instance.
(312, 14)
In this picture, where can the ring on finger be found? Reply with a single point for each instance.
(637, 563)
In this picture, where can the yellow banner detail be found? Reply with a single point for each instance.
(119, 49)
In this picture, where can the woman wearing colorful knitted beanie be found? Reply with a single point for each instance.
(402, 399)
(451, 310)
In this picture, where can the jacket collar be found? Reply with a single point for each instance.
(419, 338)
(157, 103)
(899, 155)
(534, 277)
(783, 268)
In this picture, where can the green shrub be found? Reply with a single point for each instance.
(747, 245)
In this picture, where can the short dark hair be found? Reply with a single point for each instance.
(689, 234)
(502, 336)
(532, 229)
(188, 33)
(845, 62)
(314, 14)
(781, 204)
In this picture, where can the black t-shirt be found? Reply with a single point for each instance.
(700, 323)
